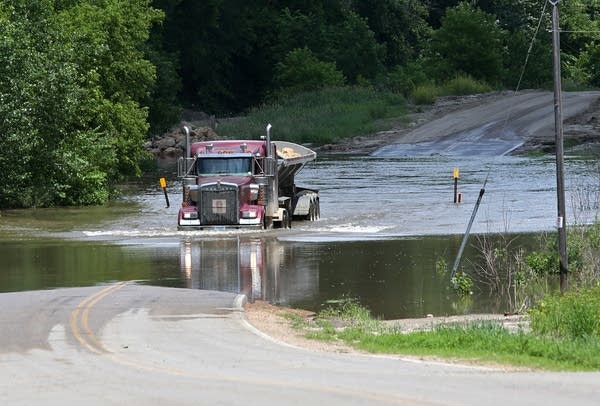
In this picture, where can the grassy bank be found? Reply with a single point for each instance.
(320, 117)
(564, 335)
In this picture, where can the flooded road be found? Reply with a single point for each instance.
(385, 222)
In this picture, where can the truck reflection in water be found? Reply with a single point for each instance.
(261, 269)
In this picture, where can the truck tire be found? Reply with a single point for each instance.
(311, 211)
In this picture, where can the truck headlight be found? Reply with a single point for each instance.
(249, 214)
(190, 215)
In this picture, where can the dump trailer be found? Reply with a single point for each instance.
(244, 184)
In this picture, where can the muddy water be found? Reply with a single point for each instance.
(385, 223)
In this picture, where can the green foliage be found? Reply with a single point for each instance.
(318, 117)
(405, 79)
(71, 77)
(482, 341)
(425, 94)
(591, 62)
(468, 42)
(538, 71)
(575, 315)
(441, 268)
(347, 309)
(583, 249)
(226, 64)
(301, 71)
(462, 284)
(464, 85)
(399, 25)
(542, 263)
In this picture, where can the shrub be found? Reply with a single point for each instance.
(464, 85)
(574, 315)
(302, 71)
(425, 94)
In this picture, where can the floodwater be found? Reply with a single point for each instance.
(385, 223)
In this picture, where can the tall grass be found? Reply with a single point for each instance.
(464, 85)
(460, 85)
(425, 94)
(575, 315)
(319, 117)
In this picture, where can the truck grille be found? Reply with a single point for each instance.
(219, 204)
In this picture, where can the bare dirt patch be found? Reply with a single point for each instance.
(275, 322)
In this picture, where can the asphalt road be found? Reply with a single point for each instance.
(495, 127)
(131, 344)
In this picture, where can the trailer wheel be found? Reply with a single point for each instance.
(311, 211)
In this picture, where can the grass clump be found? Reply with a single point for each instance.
(464, 85)
(319, 116)
(460, 85)
(425, 94)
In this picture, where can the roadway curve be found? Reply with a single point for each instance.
(131, 344)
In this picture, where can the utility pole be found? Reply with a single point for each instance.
(560, 182)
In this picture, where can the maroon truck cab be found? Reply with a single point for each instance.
(244, 183)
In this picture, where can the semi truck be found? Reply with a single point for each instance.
(244, 184)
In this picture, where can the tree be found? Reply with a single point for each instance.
(109, 36)
(399, 25)
(71, 75)
(469, 41)
(302, 71)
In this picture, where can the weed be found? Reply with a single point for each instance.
(464, 85)
(297, 322)
(575, 315)
(482, 341)
(425, 94)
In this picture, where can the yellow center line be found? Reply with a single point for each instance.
(80, 328)
(80, 317)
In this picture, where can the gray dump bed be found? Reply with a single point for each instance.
(291, 158)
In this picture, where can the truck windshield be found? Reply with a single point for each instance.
(224, 166)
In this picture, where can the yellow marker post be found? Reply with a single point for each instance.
(455, 174)
(163, 185)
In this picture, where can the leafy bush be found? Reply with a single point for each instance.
(462, 284)
(301, 71)
(574, 315)
(469, 41)
(405, 79)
